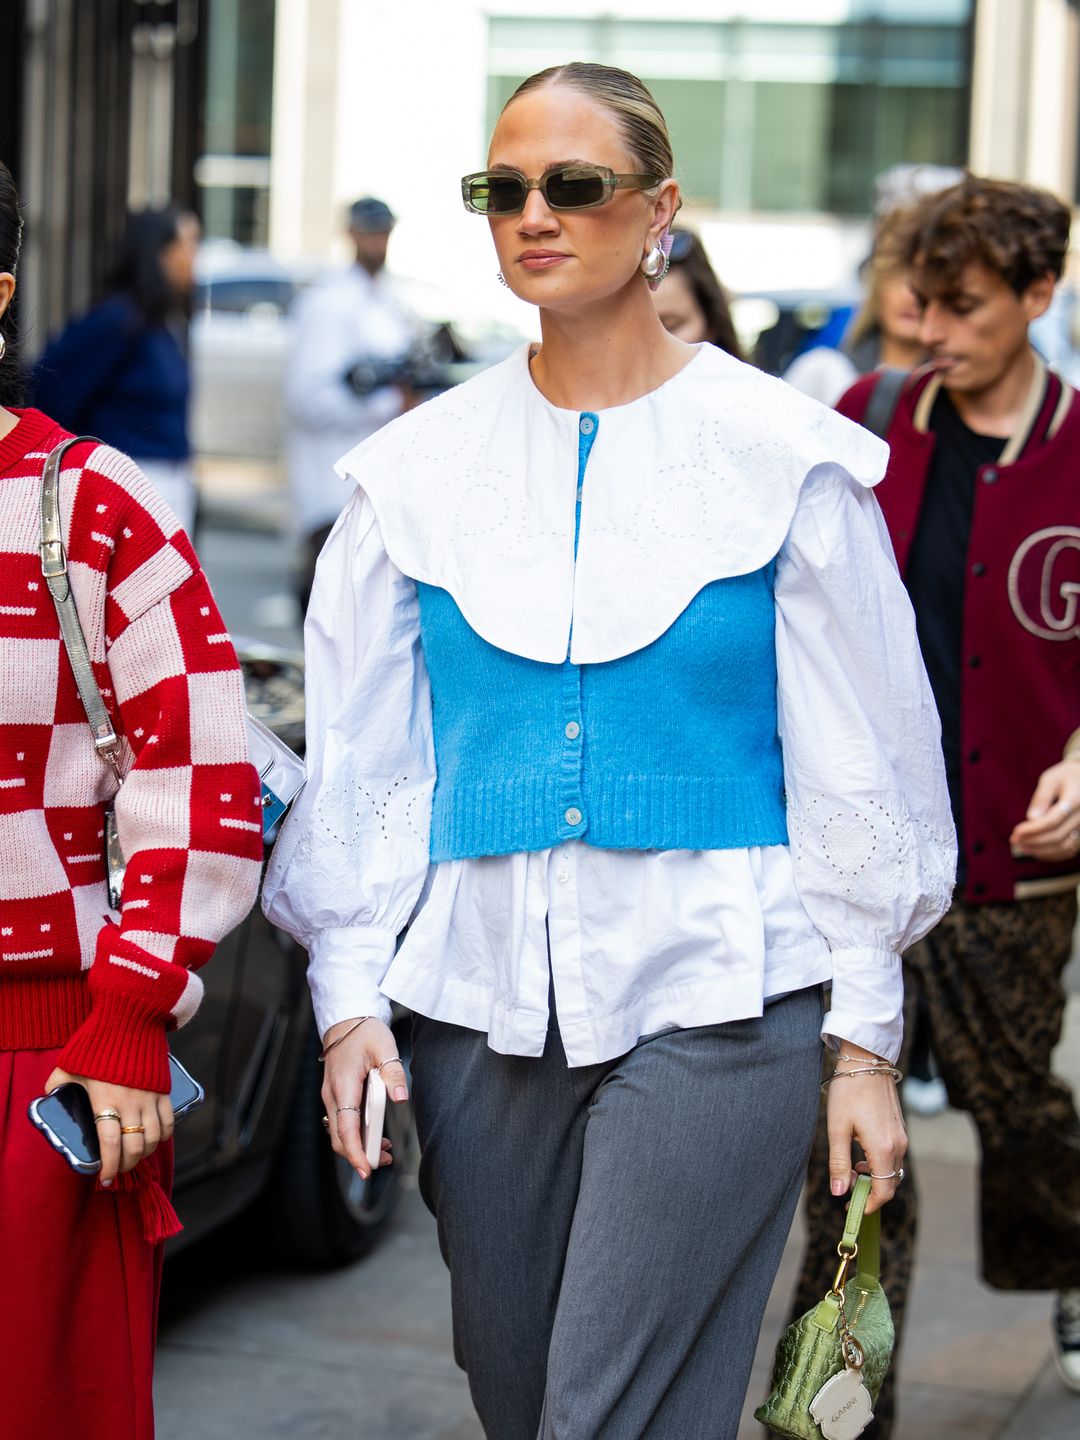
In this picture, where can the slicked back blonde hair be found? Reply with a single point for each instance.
(639, 117)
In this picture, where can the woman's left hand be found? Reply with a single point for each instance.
(1051, 831)
(865, 1108)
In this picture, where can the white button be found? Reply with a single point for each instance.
(573, 730)
(573, 816)
(564, 878)
(586, 425)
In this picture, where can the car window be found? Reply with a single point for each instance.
(242, 295)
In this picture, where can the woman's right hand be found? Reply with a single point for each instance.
(347, 1066)
(147, 1116)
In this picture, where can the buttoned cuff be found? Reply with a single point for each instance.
(867, 1001)
(345, 969)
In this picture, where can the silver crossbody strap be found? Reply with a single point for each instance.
(54, 568)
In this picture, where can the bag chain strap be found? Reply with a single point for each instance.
(858, 1226)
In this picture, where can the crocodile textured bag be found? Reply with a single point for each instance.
(830, 1363)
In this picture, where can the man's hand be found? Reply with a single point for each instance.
(1051, 831)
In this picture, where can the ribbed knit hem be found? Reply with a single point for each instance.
(43, 1012)
(121, 1043)
(657, 812)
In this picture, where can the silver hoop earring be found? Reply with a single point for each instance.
(3, 347)
(655, 265)
(501, 278)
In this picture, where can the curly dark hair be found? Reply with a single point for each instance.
(1018, 231)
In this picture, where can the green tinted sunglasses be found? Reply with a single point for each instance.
(567, 187)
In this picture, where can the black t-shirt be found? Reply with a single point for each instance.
(937, 572)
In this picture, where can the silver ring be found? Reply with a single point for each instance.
(340, 1108)
(394, 1060)
(896, 1175)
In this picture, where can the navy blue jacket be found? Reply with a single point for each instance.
(111, 375)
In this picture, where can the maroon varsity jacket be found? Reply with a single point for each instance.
(1020, 688)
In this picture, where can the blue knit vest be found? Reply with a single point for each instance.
(673, 747)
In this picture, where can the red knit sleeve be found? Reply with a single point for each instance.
(188, 811)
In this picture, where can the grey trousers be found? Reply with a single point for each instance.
(613, 1231)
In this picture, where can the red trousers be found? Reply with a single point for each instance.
(78, 1284)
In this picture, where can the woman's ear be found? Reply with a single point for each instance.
(7, 289)
(665, 207)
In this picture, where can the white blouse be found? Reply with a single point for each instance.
(632, 941)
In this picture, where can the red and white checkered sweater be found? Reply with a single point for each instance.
(188, 810)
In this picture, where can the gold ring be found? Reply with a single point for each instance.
(394, 1060)
(340, 1108)
(106, 1115)
(132, 1129)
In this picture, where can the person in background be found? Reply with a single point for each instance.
(553, 642)
(344, 330)
(981, 502)
(120, 372)
(691, 303)
(884, 333)
(89, 994)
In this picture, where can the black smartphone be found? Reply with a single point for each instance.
(66, 1118)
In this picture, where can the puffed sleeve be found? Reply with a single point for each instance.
(351, 861)
(872, 836)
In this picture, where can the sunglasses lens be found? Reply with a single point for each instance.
(575, 189)
(497, 194)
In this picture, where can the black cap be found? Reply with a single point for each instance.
(371, 215)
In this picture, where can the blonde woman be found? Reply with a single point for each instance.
(553, 644)
(884, 333)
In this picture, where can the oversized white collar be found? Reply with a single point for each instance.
(476, 492)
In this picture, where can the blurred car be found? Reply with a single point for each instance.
(775, 327)
(238, 346)
(257, 1145)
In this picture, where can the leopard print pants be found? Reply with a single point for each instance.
(990, 976)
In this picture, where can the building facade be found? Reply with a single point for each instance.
(100, 108)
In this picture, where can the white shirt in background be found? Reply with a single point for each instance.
(347, 317)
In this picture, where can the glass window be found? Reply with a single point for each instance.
(777, 117)
(234, 171)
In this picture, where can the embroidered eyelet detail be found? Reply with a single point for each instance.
(343, 824)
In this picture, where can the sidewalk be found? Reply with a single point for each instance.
(365, 1353)
(236, 494)
(976, 1362)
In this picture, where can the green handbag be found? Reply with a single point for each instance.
(845, 1344)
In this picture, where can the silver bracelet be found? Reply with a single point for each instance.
(334, 1043)
(890, 1070)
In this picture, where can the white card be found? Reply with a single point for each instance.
(842, 1406)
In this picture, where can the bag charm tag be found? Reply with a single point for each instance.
(842, 1408)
